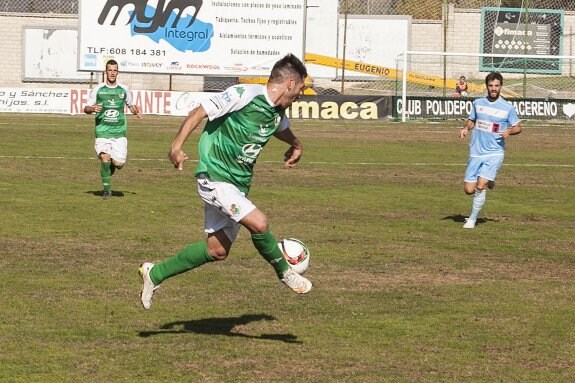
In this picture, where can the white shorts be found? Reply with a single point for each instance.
(225, 206)
(117, 148)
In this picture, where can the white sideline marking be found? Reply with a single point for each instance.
(307, 162)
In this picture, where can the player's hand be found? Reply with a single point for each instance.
(177, 158)
(504, 134)
(138, 112)
(292, 156)
(97, 108)
(463, 132)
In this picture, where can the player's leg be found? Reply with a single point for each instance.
(229, 200)
(191, 257)
(470, 186)
(267, 245)
(119, 154)
(103, 148)
(479, 196)
(486, 174)
(222, 231)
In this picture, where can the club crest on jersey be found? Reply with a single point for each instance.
(122, 95)
(240, 90)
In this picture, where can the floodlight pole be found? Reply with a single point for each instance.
(445, 12)
(344, 48)
(526, 22)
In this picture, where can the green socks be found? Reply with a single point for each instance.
(196, 254)
(192, 256)
(267, 246)
(106, 174)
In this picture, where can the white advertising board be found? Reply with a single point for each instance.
(321, 35)
(376, 40)
(72, 101)
(216, 37)
(50, 55)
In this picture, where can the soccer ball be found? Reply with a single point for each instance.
(296, 254)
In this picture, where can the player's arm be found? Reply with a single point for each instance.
(468, 126)
(515, 124)
(516, 129)
(192, 121)
(91, 106)
(89, 109)
(135, 109)
(293, 154)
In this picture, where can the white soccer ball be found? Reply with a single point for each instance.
(296, 254)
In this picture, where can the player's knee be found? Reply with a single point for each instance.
(218, 253)
(259, 227)
(469, 189)
(118, 165)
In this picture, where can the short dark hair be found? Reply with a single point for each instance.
(493, 76)
(111, 62)
(286, 67)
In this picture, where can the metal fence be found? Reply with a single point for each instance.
(435, 25)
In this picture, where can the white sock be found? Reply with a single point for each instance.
(478, 202)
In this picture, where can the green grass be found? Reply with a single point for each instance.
(401, 292)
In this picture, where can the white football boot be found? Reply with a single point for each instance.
(296, 282)
(148, 287)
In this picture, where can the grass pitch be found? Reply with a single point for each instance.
(401, 292)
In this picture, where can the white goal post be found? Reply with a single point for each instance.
(530, 79)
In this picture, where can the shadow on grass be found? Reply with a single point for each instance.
(100, 193)
(461, 218)
(220, 326)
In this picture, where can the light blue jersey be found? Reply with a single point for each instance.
(490, 118)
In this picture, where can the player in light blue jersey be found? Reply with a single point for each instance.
(493, 120)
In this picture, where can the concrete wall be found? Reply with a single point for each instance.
(11, 32)
(463, 35)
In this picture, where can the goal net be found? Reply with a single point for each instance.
(525, 76)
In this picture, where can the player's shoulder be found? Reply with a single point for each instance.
(122, 86)
(505, 103)
(247, 89)
(99, 86)
(242, 93)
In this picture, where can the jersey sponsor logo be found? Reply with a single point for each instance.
(249, 153)
(251, 150)
(486, 126)
(111, 113)
(226, 96)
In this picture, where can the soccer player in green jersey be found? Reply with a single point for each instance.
(241, 120)
(108, 101)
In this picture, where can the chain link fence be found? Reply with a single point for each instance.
(435, 25)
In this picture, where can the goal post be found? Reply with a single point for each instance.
(435, 74)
